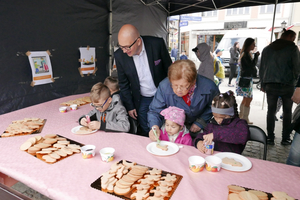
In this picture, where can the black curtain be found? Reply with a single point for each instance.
(61, 26)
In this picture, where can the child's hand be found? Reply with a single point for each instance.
(201, 147)
(83, 122)
(94, 125)
(151, 134)
(208, 138)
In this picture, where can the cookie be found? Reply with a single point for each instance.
(61, 139)
(121, 191)
(154, 171)
(67, 150)
(235, 189)
(61, 153)
(44, 152)
(248, 196)
(54, 155)
(158, 193)
(261, 195)
(110, 187)
(59, 146)
(233, 196)
(141, 187)
(232, 162)
(145, 182)
(66, 142)
(42, 145)
(162, 147)
(153, 177)
(114, 168)
(170, 178)
(32, 140)
(140, 195)
(128, 164)
(25, 146)
(49, 141)
(49, 159)
(33, 150)
(50, 136)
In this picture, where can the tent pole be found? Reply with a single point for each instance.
(110, 46)
(179, 39)
(276, 2)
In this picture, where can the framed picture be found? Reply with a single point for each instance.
(41, 67)
(87, 60)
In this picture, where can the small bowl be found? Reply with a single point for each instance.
(63, 109)
(213, 163)
(196, 163)
(74, 106)
(107, 154)
(88, 151)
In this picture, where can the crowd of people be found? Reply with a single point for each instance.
(184, 105)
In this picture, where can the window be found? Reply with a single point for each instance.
(210, 13)
(238, 11)
(269, 9)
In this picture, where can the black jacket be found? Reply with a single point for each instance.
(248, 65)
(280, 63)
(234, 56)
(159, 62)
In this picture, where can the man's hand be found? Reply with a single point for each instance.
(296, 96)
(151, 134)
(133, 113)
(201, 147)
(208, 138)
(94, 125)
(194, 128)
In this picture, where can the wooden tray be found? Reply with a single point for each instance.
(71, 142)
(39, 130)
(97, 185)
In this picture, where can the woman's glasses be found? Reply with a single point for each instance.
(181, 88)
(99, 107)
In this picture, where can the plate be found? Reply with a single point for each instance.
(242, 159)
(75, 129)
(172, 148)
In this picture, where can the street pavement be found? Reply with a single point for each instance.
(258, 115)
(275, 153)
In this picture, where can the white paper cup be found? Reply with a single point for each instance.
(210, 148)
(213, 163)
(107, 154)
(73, 107)
(196, 163)
(88, 151)
(63, 109)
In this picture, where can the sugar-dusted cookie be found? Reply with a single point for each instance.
(164, 189)
(235, 189)
(121, 171)
(121, 191)
(232, 162)
(140, 195)
(141, 187)
(158, 193)
(154, 171)
(66, 142)
(110, 187)
(59, 146)
(145, 181)
(166, 183)
(105, 178)
(61, 153)
(49, 159)
(114, 168)
(260, 194)
(248, 195)
(32, 140)
(234, 196)
(25, 146)
(169, 178)
(54, 155)
(153, 177)
(42, 145)
(44, 152)
(128, 164)
(50, 136)
(33, 150)
(50, 141)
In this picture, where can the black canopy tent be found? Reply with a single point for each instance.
(63, 26)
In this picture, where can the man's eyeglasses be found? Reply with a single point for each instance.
(101, 107)
(175, 87)
(129, 47)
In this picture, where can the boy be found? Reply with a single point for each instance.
(108, 114)
(113, 85)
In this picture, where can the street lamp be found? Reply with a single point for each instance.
(283, 24)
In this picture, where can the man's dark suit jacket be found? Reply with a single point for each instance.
(159, 62)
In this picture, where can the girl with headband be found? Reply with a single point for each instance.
(226, 129)
(174, 129)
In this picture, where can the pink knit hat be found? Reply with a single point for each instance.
(174, 114)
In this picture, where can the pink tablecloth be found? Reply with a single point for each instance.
(71, 178)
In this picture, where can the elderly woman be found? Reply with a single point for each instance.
(187, 90)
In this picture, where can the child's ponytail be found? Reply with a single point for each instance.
(226, 100)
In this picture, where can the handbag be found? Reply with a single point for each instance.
(244, 82)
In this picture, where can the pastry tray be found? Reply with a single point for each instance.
(97, 184)
(39, 130)
(71, 142)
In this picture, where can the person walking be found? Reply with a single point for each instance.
(234, 57)
(244, 80)
(279, 71)
(174, 52)
(142, 63)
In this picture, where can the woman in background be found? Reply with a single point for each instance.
(234, 57)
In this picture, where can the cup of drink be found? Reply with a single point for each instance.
(196, 163)
(88, 151)
(63, 109)
(213, 163)
(107, 154)
(73, 107)
(209, 148)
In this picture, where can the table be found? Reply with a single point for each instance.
(71, 178)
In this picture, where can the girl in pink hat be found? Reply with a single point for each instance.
(174, 129)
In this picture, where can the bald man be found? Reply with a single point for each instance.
(142, 63)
